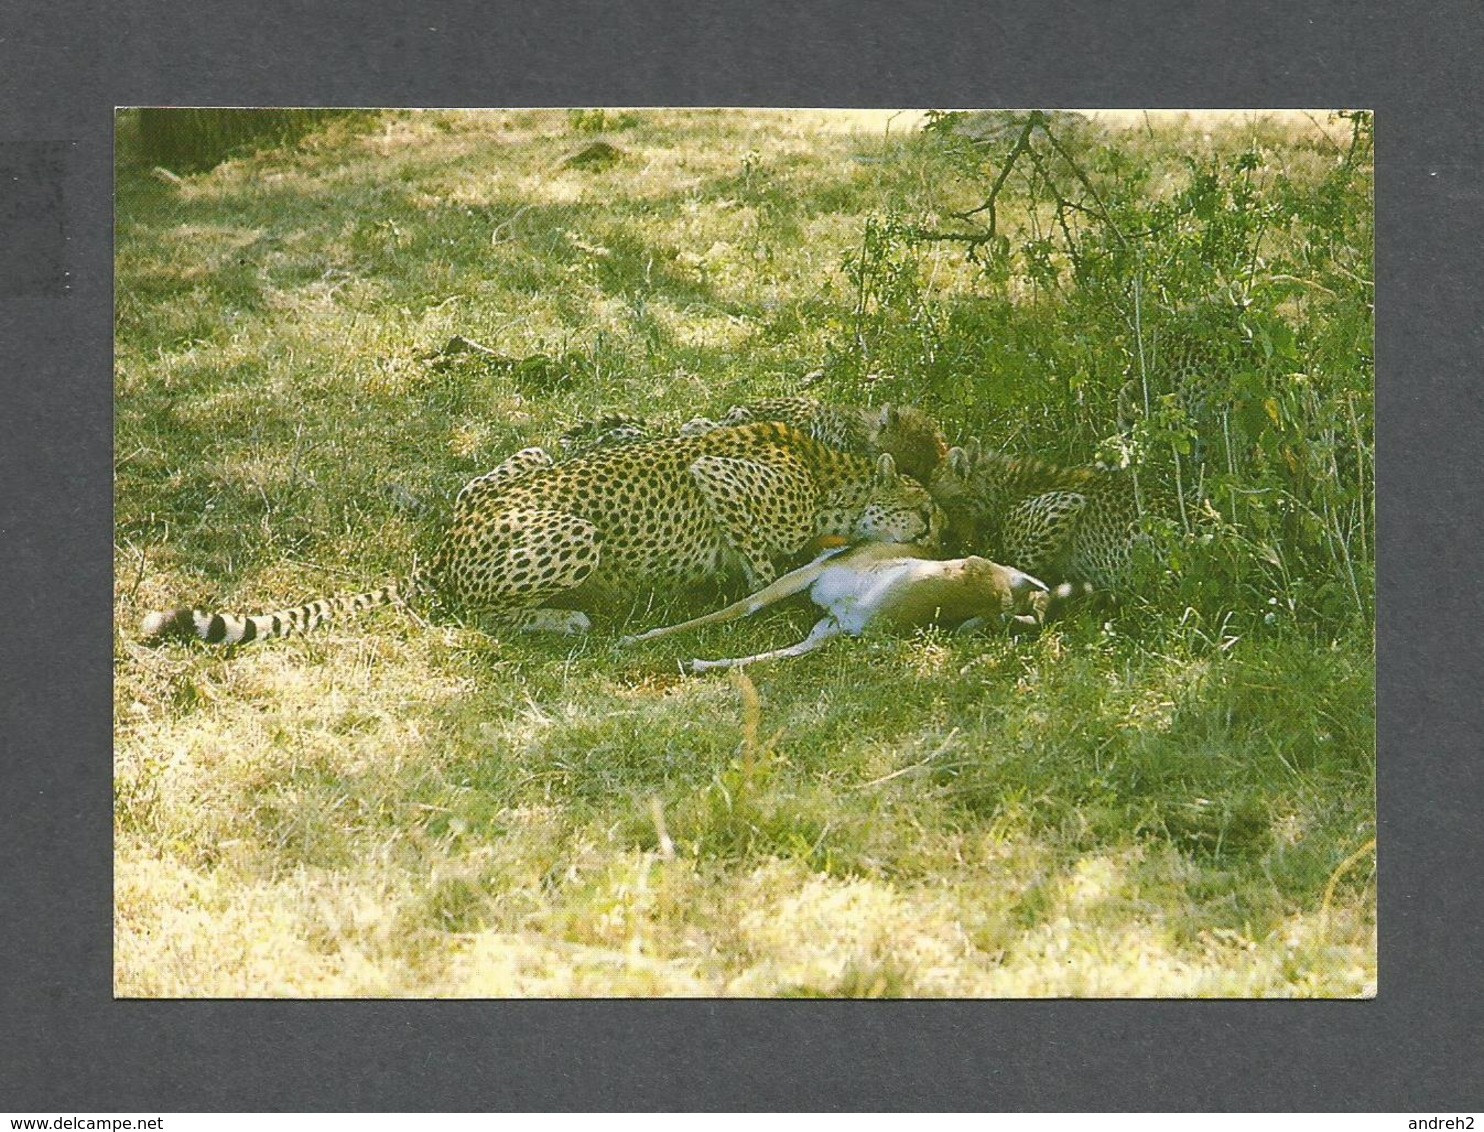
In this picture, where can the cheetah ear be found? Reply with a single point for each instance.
(974, 450)
(958, 461)
(888, 416)
(886, 468)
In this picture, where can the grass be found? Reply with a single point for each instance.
(1166, 802)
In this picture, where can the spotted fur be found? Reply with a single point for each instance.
(906, 433)
(1062, 524)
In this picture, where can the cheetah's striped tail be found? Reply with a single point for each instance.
(238, 628)
(1058, 598)
(1051, 604)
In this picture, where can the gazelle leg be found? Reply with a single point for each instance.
(791, 583)
(826, 629)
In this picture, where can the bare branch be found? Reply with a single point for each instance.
(1022, 143)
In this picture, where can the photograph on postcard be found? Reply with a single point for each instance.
(761, 553)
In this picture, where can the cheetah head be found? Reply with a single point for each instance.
(899, 510)
(912, 437)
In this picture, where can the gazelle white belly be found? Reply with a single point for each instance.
(854, 595)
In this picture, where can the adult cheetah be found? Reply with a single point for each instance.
(533, 544)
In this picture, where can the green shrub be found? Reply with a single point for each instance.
(1203, 317)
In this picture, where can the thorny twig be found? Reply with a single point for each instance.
(1102, 209)
(1022, 143)
(1035, 120)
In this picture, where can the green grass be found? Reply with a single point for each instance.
(1161, 802)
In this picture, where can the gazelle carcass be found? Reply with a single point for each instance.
(879, 583)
